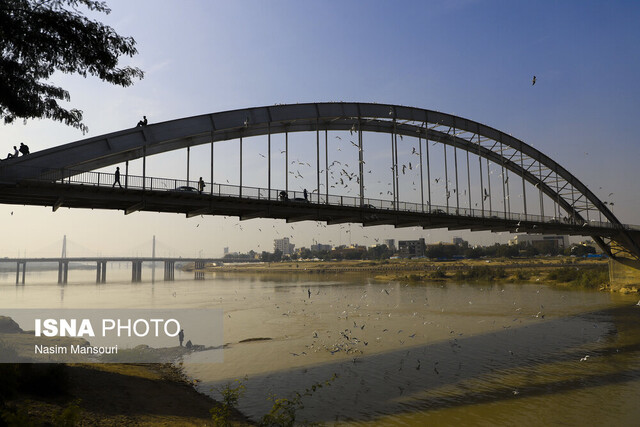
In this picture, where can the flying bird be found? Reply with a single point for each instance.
(533, 81)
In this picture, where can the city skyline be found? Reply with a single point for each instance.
(223, 56)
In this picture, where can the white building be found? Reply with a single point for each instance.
(391, 244)
(539, 240)
(283, 246)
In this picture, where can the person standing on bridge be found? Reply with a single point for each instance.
(116, 177)
(201, 185)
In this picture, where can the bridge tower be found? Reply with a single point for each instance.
(63, 266)
(153, 263)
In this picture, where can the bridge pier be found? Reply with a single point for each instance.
(136, 271)
(198, 270)
(24, 270)
(624, 274)
(169, 267)
(101, 271)
(63, 272)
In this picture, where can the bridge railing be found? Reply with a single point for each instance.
(107, 179)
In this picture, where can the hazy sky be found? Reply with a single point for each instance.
(474, 59)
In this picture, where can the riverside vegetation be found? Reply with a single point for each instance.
(282, 413)
(564, 271)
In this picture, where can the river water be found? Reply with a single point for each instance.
(394, 354)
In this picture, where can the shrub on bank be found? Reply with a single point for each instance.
(437, 274)
(523, 275)
(591, 278)
(479, 273)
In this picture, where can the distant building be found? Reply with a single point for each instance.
(283, 246)
(436, 245)
(542, 241)
(320, 247)
(226, 250)
(347, 251)
(411, 248)
(391, 244)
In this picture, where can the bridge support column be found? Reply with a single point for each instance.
(63, 272)
(101, 272)
(136, 271)
(169, 270)
(624, 275)
(24, 270)
(199, 270)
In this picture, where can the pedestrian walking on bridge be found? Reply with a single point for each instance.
(116, 178)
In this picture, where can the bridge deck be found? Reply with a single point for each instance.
(262, 203)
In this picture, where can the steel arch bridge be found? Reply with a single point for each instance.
(48, 177)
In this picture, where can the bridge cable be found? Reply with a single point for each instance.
(524, 190)
(421, 176)
(482, 191)
(326, 165)
(426, 144)
(393, 165)
(318, 156)
(504, 194)
(269, 160)
(540, 189)
(446, 177)
(469, 181)
(455, 162)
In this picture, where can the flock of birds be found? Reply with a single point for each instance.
(382, 320)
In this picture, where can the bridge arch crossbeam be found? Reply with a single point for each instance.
(499, 147)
